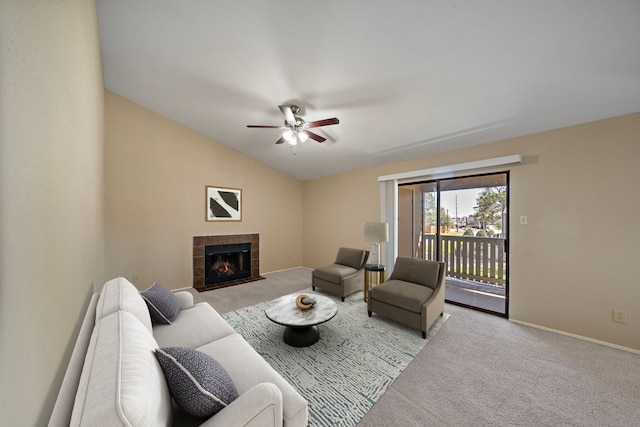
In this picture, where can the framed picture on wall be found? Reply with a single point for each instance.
(223, 204)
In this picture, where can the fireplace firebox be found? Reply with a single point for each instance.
(223, 263)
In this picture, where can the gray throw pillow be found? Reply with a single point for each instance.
(199, 384)
(163, 304)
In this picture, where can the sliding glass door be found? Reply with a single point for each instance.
(462, 222)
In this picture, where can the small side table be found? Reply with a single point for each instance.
(380, 271)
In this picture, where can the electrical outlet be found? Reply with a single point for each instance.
(524, 220)
(619, 316)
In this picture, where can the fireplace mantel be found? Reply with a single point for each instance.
(199, 244)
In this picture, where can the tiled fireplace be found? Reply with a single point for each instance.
(225, 260)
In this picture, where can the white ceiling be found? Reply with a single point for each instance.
(405, 78)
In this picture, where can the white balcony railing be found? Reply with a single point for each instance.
(481, 259)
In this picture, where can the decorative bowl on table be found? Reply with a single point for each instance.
(305, 302)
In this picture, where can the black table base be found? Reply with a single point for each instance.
(301, 336)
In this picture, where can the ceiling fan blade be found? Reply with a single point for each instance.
(288, 114)
(266, 127)
(325, 122)
(281, 140)
(314, 136)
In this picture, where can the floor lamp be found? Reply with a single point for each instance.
(376, 232)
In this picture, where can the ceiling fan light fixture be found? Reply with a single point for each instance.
(303, 136)
(289, 135)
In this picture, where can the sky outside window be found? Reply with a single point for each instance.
(466, 201)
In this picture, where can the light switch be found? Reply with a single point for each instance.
(524, 220)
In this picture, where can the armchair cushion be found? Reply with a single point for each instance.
(403, 294)
(354, 258)
(416, 271)
(334, 272)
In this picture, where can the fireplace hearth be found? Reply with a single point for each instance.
(225, 260)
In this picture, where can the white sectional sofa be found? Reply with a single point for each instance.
(114, 378)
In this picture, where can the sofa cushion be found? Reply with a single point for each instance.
(121, 382)
(163, 304)
(422, 272)
(192, 328)
(120, 294)
(248, 368)
(351, 257)
(200, 386)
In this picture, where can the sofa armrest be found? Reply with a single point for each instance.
(186, 299)
(260, 406)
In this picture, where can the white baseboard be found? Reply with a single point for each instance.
(580, 337)
(287, 269)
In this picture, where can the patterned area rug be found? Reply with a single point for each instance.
(353, 364)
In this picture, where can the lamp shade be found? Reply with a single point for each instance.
(376, 232)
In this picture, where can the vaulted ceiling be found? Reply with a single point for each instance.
(405, 78)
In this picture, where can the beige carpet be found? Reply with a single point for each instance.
(482, 370)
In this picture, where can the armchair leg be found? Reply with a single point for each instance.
(424, 335)
(369, 313)
(342, 299)
(313, 288)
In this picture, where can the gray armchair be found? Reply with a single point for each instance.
(413, 295)
(344, 276)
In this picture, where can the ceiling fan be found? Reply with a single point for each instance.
(295, 128)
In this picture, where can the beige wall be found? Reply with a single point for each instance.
(156, 174)
(51, 192)
(574, 261)
(335, 211)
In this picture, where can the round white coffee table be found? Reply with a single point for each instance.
(301, 325)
